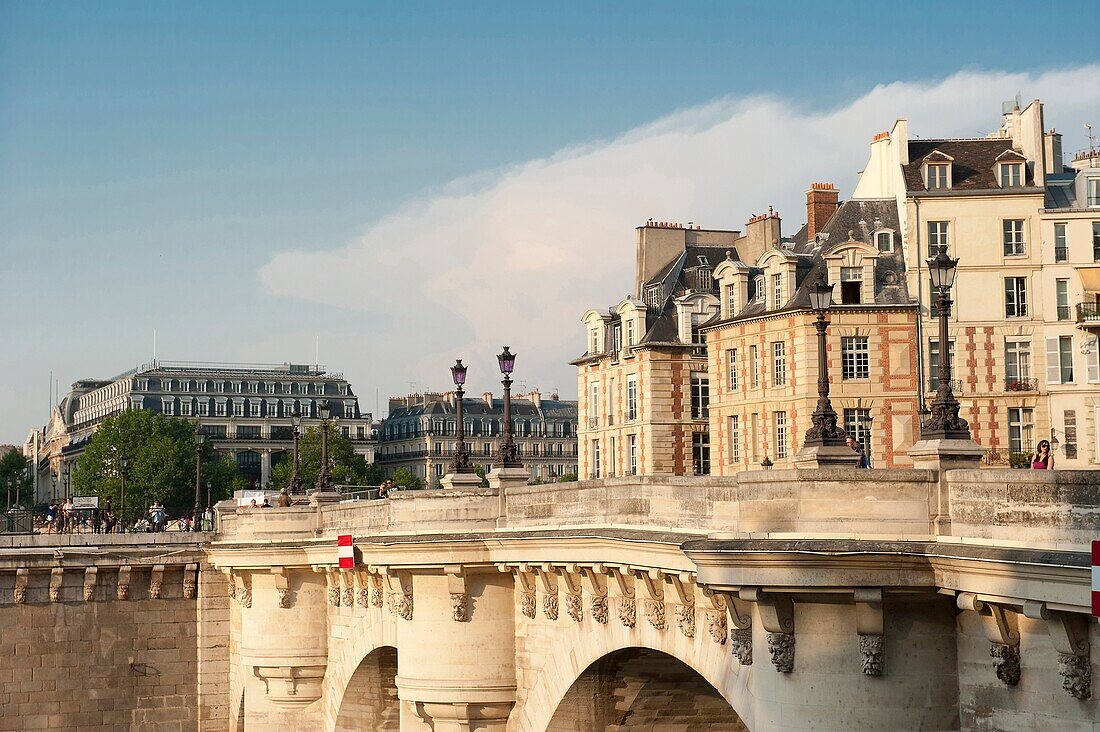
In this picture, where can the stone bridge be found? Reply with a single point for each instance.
(773, 600)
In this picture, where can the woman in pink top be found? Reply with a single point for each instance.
(1042, 459)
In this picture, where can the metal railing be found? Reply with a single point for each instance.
(17, 522)
(1021, 384)
(1061, 254)
(934, 385)
(1088, 313)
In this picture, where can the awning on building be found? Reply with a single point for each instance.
(1090, 277)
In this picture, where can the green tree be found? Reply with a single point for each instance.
(568, 478)
(15, 477)
(404, 478)
(479, 470)
(161, 451)
(348, 466)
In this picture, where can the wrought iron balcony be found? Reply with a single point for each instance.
(1088, 314)
(934, 385)
(1021, 384)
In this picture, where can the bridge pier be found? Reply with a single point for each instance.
(456, 664)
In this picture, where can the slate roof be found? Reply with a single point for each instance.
(478, 407)
(973, 166)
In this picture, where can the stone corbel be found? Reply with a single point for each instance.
(870, 627)
(1069, 632)
(717, 625)
(19, 591)
(377, 592)
(1001, 627)
(548, 579)
(89, 583)
(190, 580)
(525, 581)
(122, 589)
(57, 574)
(739, 613)
(654, 582)
(777, 616)
(156, 581)
(460, 594)
(684, 585)
(347, 582)
(399, 585)
(244, 589)
(363, 582)
(291, 686)
(624, 584)
(282, 585)
(571, 578)
(594, 581)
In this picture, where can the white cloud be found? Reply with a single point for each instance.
(515, 257)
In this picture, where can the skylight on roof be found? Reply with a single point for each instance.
(703, 260)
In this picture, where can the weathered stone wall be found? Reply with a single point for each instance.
(84, 659)
(638, 689)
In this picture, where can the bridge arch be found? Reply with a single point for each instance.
(361, 649)
(570, 650)
(636, 688)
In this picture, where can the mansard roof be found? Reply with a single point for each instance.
(972, 162)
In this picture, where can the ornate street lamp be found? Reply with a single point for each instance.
(200, 438)
(296, 431)
(324, 478)
(460, 463)
(944, 422)
(824, 430)
(508, 457)
(123, 469)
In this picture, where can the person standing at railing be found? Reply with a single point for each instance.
(1042, 458)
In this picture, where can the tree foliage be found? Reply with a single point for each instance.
(479, 470)
(348, 466)
(404, 478)
(14, 476)
(161, 451)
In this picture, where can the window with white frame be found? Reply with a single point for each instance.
(777, 291)
(779, 363)
(593, 404)
(1012, 234)
(238, 408)
(754, 367)
(1021, 425)
(779, 420)
(938, 176)
(938, 235)
(1012, 175)
(611, 401)
(851, 285)
(630, 333)
(594, 341)
(219, 408)
(1069, 426)
(254, 408)
(166, 406)
(731, 300)
(735, 438)
(700, 395)
(1017, 361)
(1015, 297)
(595, 472)
(1061, 249)
(1092, 192)
(1061, 296)
(632, 453)
(1060, 360)
(884, 240)
(731, 364)
(185, 407)
(653, 296)
(855, 359)
(934, 362)
(204, 408)
(611, 457)
(700, 453)
(759, 284)
(705, 279)
(631, 397)
(1092, 360)
(857, 424)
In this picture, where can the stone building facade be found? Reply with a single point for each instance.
(421, 430)
(244, 410)
(1010, 210)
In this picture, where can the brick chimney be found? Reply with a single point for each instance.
(822, 200)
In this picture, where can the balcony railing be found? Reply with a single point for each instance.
(1064, 312)
(1088, 314)
(934, 385)
(1021, 384)
(1061, 254)
(593, 422)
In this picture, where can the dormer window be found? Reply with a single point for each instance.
(884, 240)
(594, 341)
(731, 300)
(759, 294)
(777, 291)
(1012, 175)
(851, 285)
(704, 279)
(653, 296)
(703, 261)
(939, 176)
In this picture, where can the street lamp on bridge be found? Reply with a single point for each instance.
(944, 422)
(508, 455)
(460, 463)
(324, 478)
(824, 432)
(123, 469)
(296, 432)
(200, 438)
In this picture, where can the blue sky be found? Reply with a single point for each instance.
(246, 177)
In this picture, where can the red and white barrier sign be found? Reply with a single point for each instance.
(1096, 578)
(345, 551)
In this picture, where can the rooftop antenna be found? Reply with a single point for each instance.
(316, 352)
(1092, 139)
(154, 347)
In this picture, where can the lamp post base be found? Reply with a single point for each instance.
(946, 454)
(825, 456)
(460, 481)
